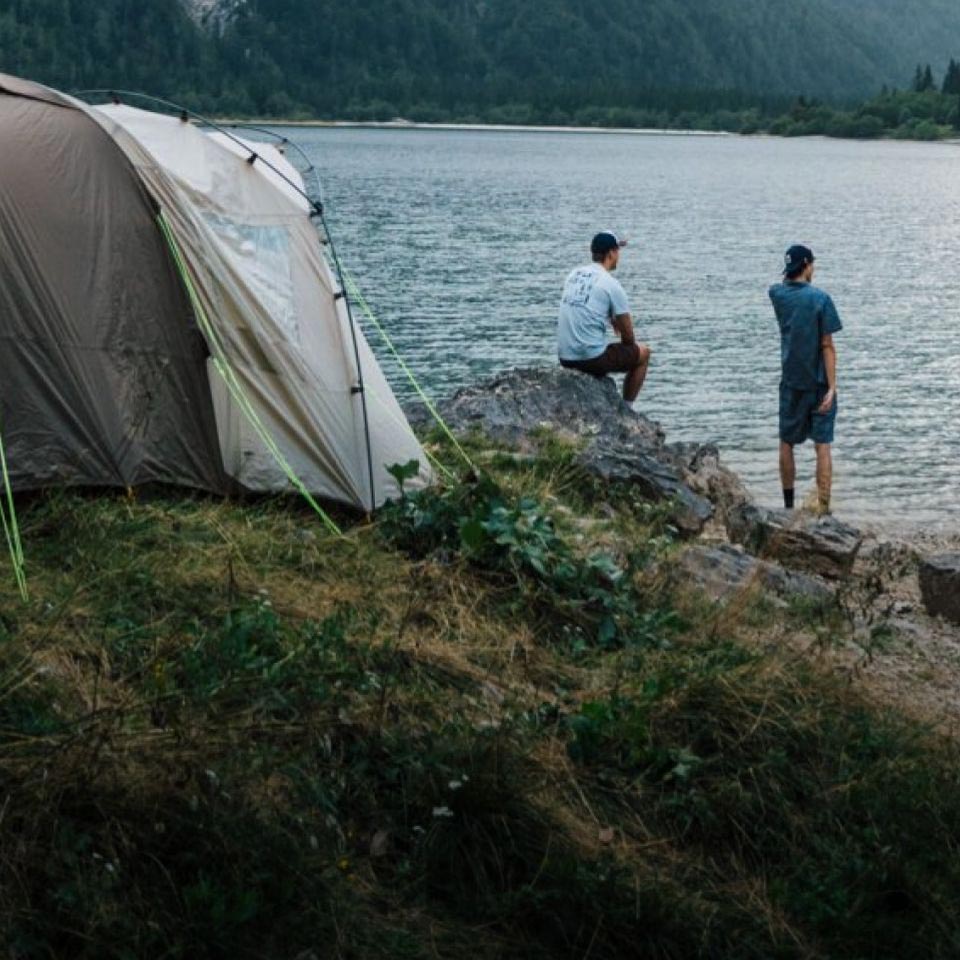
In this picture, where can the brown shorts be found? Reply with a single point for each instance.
(617, 358)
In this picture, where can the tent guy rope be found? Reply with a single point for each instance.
(11, 529)
(230, 378)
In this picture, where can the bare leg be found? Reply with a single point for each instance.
(824, 475)
(788, 466)
(633, 381)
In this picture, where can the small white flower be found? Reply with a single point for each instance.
(455, 784)
(444, 811)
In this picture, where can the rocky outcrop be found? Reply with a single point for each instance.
(705, 475)
(726, 570)
(615, 443)
(820, 545)
(940, 585)
(213, 16)
(655, 480)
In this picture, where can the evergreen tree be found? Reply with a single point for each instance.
(923, 79)
(951, 82)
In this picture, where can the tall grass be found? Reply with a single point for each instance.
(484, 727)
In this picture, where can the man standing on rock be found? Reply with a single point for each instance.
(808, 385)
(592, 299)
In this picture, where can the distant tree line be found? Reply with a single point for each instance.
(499, 61)
(925, 111)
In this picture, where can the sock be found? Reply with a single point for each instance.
(788, 498)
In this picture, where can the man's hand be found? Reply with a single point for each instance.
(827, 401)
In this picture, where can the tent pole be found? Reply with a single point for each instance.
(360, 388)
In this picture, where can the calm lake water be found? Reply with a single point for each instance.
(461, 241)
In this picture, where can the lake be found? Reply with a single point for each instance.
(461, 241)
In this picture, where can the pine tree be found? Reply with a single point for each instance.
(928, 83)
(951, 82)
(918, 79)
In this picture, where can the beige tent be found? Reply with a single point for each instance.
(167, 314)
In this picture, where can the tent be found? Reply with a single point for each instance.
(167, 314)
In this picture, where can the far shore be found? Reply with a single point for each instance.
(533, 128)
(478, 127)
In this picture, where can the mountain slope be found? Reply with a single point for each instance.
(323, 57)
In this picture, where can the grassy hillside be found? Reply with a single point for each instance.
(492, 725)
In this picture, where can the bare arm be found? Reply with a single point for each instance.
(830, 365)
(623, 324)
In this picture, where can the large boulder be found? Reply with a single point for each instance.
(516, 406)
(940, 585)
(820, 545)
(615, 443)
(726, 570)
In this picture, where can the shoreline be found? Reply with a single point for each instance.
(400, 124)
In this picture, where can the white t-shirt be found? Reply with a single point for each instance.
(591, 299)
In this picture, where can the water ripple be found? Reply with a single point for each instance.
(461, 241)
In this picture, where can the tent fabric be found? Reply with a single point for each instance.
(254, 260)
(102, 369)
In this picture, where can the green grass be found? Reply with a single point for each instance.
(471, 730)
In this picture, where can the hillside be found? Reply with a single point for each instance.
(493, 725)
(438, 58)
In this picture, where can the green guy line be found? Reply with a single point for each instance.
(233, 384)
(354, 292)
(11, 529)
(446, 471)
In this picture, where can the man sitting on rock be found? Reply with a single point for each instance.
(808, 386)
(592, 298)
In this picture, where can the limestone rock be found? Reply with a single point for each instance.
(656, 480)
(514, 406)
(705, 475)
(726, 570)
(615, 443)
(940, 585)
(820, 545)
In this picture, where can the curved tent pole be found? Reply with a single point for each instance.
(316, 207)
(309, 166)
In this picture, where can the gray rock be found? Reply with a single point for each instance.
(940, 585)
(615, 443)
(704, 474)
(726, 570)
(514, 406)
(821, 545)
(657, 481)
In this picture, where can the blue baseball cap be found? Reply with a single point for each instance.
(796, 258)
(604, 242)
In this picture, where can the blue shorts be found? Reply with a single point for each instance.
(799, 420)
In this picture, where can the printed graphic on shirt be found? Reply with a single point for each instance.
(579, 287)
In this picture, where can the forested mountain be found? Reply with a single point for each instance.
(439, 58)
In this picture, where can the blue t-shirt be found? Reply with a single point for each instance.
(591, 299)
(805, 314)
